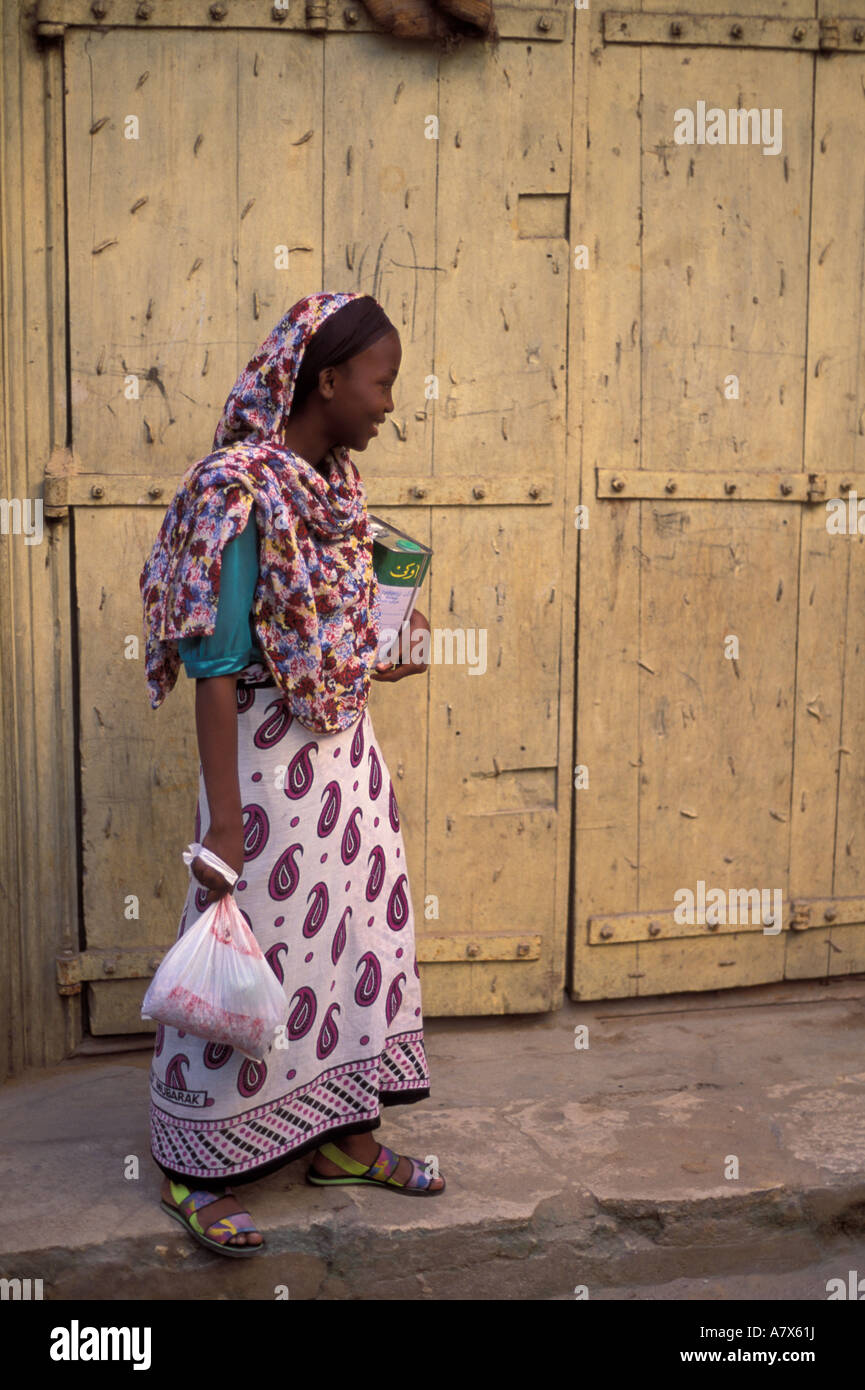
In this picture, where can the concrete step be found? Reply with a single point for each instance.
(601, 1168)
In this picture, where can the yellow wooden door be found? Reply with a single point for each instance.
(216, 172)
(719, 725)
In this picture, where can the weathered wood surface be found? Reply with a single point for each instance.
(706, 261)
(38, 860)
(476, 280)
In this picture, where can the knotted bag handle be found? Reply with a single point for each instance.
(213, 861)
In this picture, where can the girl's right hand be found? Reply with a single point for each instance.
(227, 843)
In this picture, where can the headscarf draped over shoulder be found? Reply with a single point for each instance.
(315, 605)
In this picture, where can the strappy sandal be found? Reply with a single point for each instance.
(378, 1174)
(221, 1222)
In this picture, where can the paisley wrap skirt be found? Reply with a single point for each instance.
(325, 891)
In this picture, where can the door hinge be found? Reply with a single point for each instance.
(61, 466)
(830, 34)
(816, 487)
(807, 913)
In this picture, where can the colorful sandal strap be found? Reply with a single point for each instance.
(219, 1225)
(343, 1161)
(386, 1163)
(418, 1179)
(222, 1231)
(189, 1201)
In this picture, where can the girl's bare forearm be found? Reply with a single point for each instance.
(216, 723)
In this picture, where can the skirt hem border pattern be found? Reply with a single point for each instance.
(206, 1180)
(314, 1111)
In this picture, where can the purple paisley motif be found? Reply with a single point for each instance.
(369, 984)
(300, 776)
(392, 810)
(394, 999)
(285, 875)
(376, 873)
(274, 726)
(216, 1055)
(332, 798)
(200, 899)
(245, 698)
(328, 1036)
(356, 751)
(271, 955)
(302, 1016)
(251, 1077)
(174, 1076)
(374, 774)
(160, 1038)
(339, 937)
(256, 830)
(397, 905)
(350, 838)
(314, 919)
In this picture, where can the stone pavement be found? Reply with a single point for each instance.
(601, 1168)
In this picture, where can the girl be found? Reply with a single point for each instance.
(261, 583)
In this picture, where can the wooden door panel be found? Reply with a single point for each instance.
(185, 288)
(702, 768)
(151, 250)
(498, 795)
(244, 147)
(827, 848)
(139, 767)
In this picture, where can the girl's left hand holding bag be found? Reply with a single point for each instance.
(226, 842)
(215, 982)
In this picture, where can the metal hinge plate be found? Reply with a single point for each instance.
(615, 929)
(139, 963)
(826, 912)
(650, 484)
(480, 947)
(109, 963)
(69, 489)
(800, 914)
(540, 24)
(734, 31)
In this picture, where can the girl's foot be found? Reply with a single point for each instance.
(364, 1148)
(242, 1238)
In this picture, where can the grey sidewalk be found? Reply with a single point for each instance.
(601, 1167)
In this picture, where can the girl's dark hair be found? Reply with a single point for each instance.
(352, 329)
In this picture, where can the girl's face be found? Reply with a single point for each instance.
(358, 392)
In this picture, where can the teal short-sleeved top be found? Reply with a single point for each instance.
(233, 644)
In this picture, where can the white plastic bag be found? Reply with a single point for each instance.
(215, 982)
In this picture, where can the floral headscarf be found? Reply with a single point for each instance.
(315, 605)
